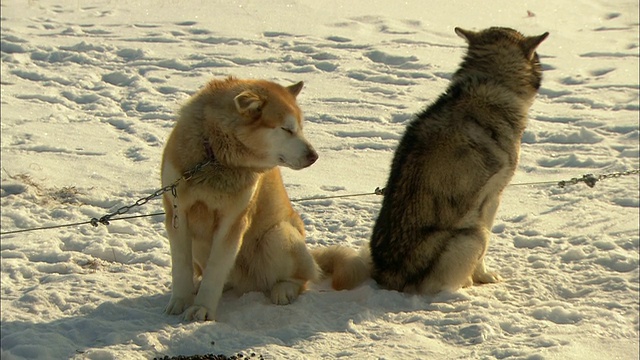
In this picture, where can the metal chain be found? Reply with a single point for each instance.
(171, 187)
(591, 180)
(618, 174)
(189, 174)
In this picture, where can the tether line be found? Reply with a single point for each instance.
(589, 179)
(45, 228)
(76, 224)
(535, 183)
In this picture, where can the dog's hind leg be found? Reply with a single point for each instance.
(286, 291)
(455, 266)
(482, 276)
(289, 262)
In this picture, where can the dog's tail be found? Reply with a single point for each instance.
(348, 267)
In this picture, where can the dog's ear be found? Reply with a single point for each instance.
(467, 35)
(530, 44)
(295, 88)
(249, 104)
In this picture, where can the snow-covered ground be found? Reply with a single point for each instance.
(89, 93)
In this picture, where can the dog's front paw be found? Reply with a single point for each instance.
(198, 313)
(488, 277)
(178, 304)
(284, 292)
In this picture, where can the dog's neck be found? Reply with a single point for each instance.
(211, 157)
(220, 176)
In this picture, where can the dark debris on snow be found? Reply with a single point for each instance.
(238, 356)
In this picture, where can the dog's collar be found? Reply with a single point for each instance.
(208, 150)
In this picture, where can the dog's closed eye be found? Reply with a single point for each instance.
(289, 131)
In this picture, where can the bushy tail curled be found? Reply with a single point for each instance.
(348, 267)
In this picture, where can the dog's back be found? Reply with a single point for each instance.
(451, 165)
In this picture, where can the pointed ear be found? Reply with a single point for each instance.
(295, 88)
(530, 44)
(249, 103)
(467, 35)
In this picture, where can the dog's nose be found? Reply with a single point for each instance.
(312, 156)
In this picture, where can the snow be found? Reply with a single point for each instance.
(89, 93)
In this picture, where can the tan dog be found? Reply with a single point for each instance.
(232, 223)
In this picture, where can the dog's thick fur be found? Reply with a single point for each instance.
(451, 166)
(231, 223)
